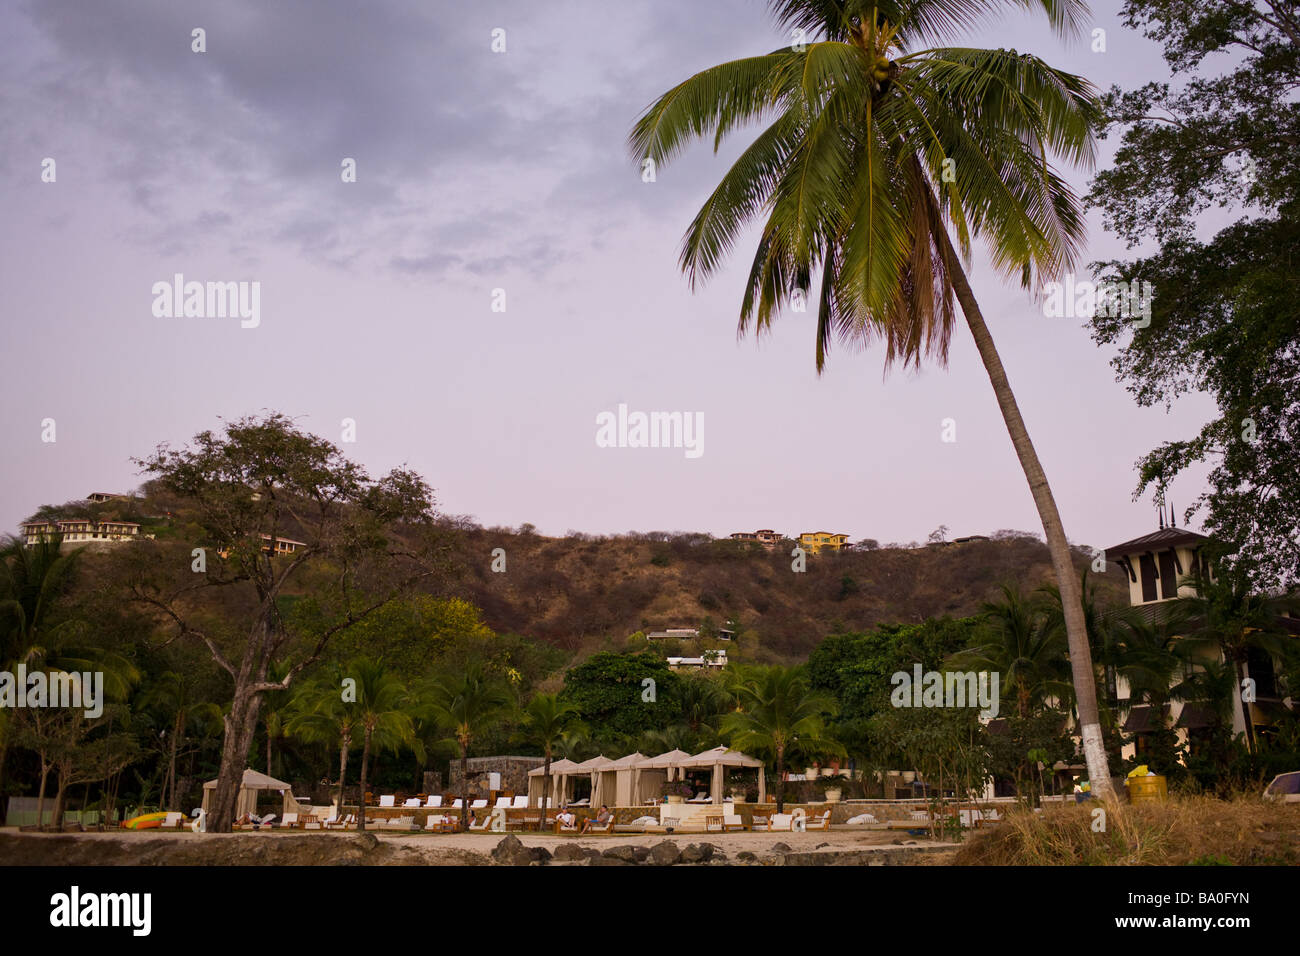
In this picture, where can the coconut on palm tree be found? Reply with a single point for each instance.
(885, 155)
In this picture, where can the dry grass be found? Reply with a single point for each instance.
(1183, 831)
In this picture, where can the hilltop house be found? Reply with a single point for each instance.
(765, 537)
(815, 541)
(79, 531)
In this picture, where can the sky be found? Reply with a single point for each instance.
(479, 171)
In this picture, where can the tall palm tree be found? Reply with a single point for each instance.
(465, 706)
(780, 715)
(546, 719)
(320, 715)
(879, 144)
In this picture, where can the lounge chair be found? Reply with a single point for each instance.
(700, 797)
(412, 803)
(781, 821)
(290, 822)
(437, 823)
(566, 827)
(434, 801)
(861, 819)
(732, 821)
(388, 800)
(822, 822)
(481, 826)
(478, 805)
(457, 804)
(760, 822)
(334, 823)
(503, 802)
(174, 820)
(606, 827)
(520, 802)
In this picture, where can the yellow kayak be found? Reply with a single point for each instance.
(145, 821)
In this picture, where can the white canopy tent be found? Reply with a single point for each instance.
(560, 769)
(616, 782)
(720, 758)
(250, 787)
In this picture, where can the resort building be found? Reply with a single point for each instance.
(815, 541)
(102, 496)
(709, 660)
(79, 531)
(1160, 567)
(675, 633)
(282, 546)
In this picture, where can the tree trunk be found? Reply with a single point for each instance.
(546, 789)
(61, 795)
(780, 780)
(1067, 582)
(344, 745)
(1247, 727)
(365, 760)
(464, 786)
(239, 726)
(40, 795)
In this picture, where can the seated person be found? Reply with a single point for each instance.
(565, 818)
(602, 819)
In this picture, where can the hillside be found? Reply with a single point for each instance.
(577, 592)
(582, 593)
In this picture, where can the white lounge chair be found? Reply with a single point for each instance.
(732, 821)
(521, 802)
(482, 825)
(412, 802)
(503, 802)
(457, 804)
(822, 822)
(781, 821)
(479, 805)
(334, 823)
(437, 823)
(173, 820)
(388, 800)
(289, 822)
(435, 800)
(861, 819)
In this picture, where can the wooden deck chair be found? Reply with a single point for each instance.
(822, 822)
(174, 820)
(760, 821)
(290, 822)
(732, 821)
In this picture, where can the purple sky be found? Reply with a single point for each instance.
(478, 171)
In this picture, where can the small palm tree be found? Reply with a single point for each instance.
(464, 707)
(546, 718)
(884, 157)
(320, 715)
(1225, 617)
(172, 697)
(1023, 647)
(780, 715)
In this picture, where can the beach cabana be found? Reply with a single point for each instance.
(616, 782)
(590, 769)
(653, 772)
(536, 781)
(251, 787)
(720, 759)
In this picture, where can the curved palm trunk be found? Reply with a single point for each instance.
(780, 780)
(1085, 689)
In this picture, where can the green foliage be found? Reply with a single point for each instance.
(607, 690)
(1225, 318)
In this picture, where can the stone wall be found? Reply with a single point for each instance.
(513, 770)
